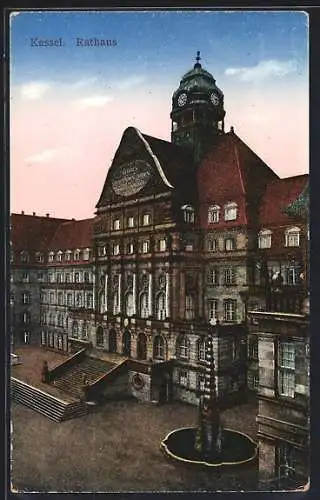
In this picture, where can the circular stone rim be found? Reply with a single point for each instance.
(169, 453)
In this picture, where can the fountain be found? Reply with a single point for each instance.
(209, 444)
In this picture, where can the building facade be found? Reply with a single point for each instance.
(178, 239)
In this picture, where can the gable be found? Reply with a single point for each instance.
(135, 171)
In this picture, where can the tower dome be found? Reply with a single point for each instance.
(199, 85)
(197, 110)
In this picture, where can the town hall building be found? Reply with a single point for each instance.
(184, 236)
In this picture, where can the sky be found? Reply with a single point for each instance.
(70, 104)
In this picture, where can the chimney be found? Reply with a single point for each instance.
(231, 130)
(22, 212)
(33, 213)
(47, 215)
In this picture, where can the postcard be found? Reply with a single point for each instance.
(159, 251)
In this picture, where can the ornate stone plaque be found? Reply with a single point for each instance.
(131, 177)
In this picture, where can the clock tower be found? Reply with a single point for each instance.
(197, 111)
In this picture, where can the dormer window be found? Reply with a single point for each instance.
(51, 257)
(24, 256)
(76, 255)
(230, 211)
(59, 256)
(39, 257)
(67, 255)
(116, 224)
(292, 237)
(214, 214)
(86, 254)
(264, 238)
(188, 213)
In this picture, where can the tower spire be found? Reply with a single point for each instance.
(198, 65)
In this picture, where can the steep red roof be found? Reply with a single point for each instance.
(231, 172)
(31, 232)
(72, 234)
(278, 195)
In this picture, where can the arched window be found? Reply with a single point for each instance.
(161, 306)
(112, 341)
(230, 211)
(144, 306)
(142, 346)
(99, 336)
(183, 347)
(292, 237)
(75, 329)
(190, 310)
(264, 238)
(126, 343)
(129, 304)
(158, 347)
(213, 214)
(201, 347)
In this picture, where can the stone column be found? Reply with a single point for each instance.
(106, 292)
(134, 291)
(150, 294)
(119, 293)
(167, 295)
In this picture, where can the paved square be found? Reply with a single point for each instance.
(117, 448)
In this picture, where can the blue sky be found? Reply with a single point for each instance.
(165, 41)
(70, 105)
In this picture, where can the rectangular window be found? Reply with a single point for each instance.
(189, 246)
(229, 244)
(51, 257)
(162, 245)
(86, 254)
(213, 215)
(67, 256)
(51, 298)
(230, 212)
(212, 245)
(253, 351)
(146, 219)
(25, 277)
(213, 276)
(116, 224)
(145, 246)
(77, 277)
(230, 306)
(213, 308)
(200, 382)
(26, 298)
(183, 378)
(130, 222)
(69, 299)
(130, 248)
(292, 276)
(287, 369)
(116, 249)
(229, 276)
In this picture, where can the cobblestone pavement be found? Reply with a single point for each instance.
(116, 448)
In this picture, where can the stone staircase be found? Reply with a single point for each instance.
(47, 404)
(70, 380)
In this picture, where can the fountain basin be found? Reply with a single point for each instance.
(238, 448)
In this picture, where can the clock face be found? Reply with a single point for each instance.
(214, 99)
(182, 99)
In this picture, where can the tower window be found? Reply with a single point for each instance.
(230, 211)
